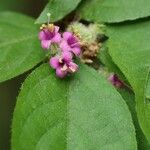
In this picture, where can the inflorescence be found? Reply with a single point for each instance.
(63, 46)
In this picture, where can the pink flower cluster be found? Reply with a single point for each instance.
(67, 47)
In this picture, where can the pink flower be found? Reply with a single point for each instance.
(70, 43)
(63, 64)
(49, 35)
(113, 78)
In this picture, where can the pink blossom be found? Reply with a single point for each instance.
(48, 37)
(113, 78)
(63, 64)
(70, 43)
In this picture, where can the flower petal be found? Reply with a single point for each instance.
(54, 62)
(67, 57)
(56, 38)
(67, 35)
(73, 67)
(42, 35)
(60, 73)
(76, 50)
(56, 29)
(45, 44)
(64, 46)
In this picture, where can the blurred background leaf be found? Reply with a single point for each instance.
(9, 89)
(19, 44)
(29, 7)
(111, 11)
(8, 92)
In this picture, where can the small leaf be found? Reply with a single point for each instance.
(58, 9)
(130, 50)
(111, 11)
(20, 48)
(82, 112)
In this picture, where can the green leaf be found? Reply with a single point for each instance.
(148, 89)
(106, 59)
(58, 9)
(129, 97)
(111, 11)
(82, 112)
(20, 48)
(130, 49)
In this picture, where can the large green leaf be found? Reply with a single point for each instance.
(114, 10)
(130, 49)
(82, 112)
(128, 96)
(20, 48)
(106, 59)
(58, 10)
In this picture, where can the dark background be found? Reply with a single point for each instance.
(9, 90)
